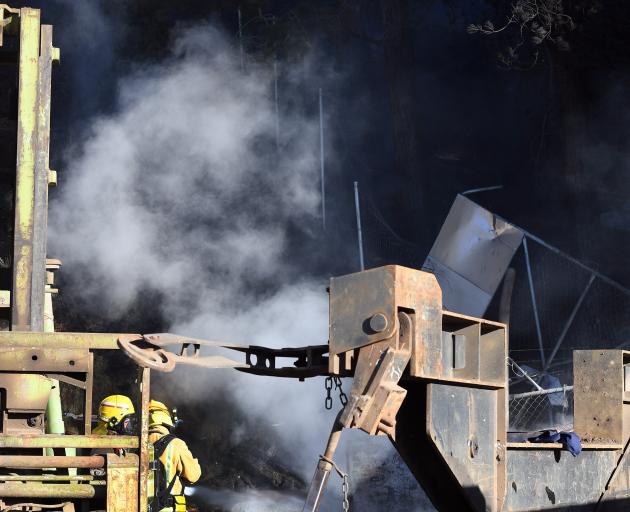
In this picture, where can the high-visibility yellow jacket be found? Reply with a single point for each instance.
(178, 461)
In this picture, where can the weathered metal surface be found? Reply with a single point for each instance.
(40, 206)
(470, 256)
(43, 360)
(309, 361)
(46, 490)
(375, 396)
(68, 441)
(25, 170)
(54, 461)
(598, 395)
(122, 483)
(150, 351)
(554, 479)
(462, 423)
(61, 340)
(354, 300)
(143, 480)
(25, 397)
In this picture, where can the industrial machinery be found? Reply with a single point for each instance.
(433, 381)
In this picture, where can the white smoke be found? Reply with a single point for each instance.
(183, 191)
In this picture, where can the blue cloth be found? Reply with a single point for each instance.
(570, 440)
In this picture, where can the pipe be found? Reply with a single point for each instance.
(45, 478)
(41, 490)
(54, 413)
(40, 462)
(322, 473)
(505, 305)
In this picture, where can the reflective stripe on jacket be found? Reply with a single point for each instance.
(177, 461)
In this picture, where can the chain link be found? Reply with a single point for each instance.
(343, 398)
(345, 484)
(328, 385)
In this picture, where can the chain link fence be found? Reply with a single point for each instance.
(541, 410)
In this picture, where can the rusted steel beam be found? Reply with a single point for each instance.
(40, 462)
(67, 340)
(41, 490)
(25, 170)
(68, 441)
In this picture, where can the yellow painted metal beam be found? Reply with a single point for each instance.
(67, 340)
(25, 171)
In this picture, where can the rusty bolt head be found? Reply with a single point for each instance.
(378, 322)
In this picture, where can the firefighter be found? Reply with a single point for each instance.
(173, 464)
(116, 415)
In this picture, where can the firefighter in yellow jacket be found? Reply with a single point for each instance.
(173, 465)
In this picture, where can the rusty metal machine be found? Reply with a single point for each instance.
(431, 380)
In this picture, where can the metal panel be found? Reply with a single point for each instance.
(25, 175)
(470, 256)
(354, 300)
(462, 424)
(548, 479)
(598, 395)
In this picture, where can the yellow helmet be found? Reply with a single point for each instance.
(159, 415)
(114, 408)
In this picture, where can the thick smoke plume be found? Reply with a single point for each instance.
(184, 191)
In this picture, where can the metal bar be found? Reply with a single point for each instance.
(322, 472)
(567, 326)
(240, 38)
(25, 170)
(41, 462)
(276, 98)
(144, 439)
(541, 392)
(40, 205)
(482, 189)
(532, 291)
(67, 441)
(322, 168)
(66, 380)
(359, 232)
(59, 340)
(87, 409)
(46, 478)
(525, 374)
(46, 490)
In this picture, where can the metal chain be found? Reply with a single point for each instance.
(345, 484)
(343, 398)
(328, 385)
